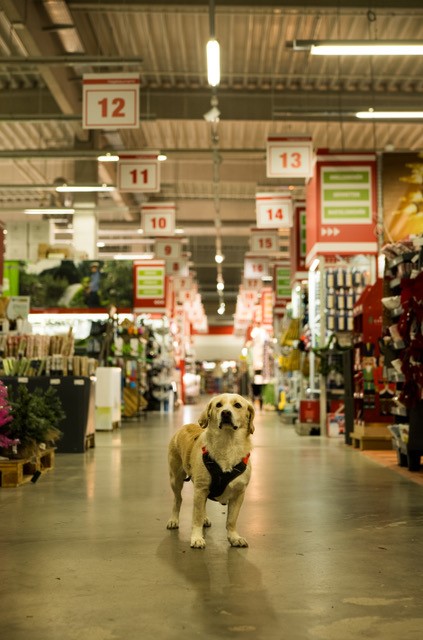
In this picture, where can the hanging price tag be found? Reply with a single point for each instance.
(289, 157)
(264, 241)
(273, 210)
(110, 101)
(158, 219)
(138, 172)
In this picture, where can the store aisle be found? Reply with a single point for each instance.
(335, 546)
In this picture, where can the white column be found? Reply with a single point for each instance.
(85, 231)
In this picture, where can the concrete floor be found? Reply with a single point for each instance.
(335, 551)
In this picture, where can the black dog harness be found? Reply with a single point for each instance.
(221, 479)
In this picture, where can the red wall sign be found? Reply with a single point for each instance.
(342, 206)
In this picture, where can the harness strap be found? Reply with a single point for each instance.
(221, 479)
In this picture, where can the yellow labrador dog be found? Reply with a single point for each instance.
(214, 454)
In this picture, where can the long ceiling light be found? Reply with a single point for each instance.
(108, 157)
(213, 62)
(389, 115)
(359, 47)
(84, 188)
(46, 211)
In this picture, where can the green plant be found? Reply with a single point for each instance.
(36, 417)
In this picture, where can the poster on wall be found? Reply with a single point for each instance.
(402, 180)
(68, 284)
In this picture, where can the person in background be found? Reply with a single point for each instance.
(256, 388)
(218, 377)
(93, 299)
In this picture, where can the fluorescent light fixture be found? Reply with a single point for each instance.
(179, 231)
(133, 256)
(161, 157)
(213, 62)
(359, 47)
(47, 211)
(108, 157)
(140, 231)
(389, 115)
(220, 286)
(85, 188)
(221, 309)
(219, 258)
(100, 244)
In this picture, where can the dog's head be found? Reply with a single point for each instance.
(228, 410)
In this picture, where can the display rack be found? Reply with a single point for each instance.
(334, 287)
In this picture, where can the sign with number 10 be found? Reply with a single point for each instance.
(289, 157)
(138, 172)
(273, 210)
(158, 219)
(110, 101)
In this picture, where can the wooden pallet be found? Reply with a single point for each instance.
(375, 442)
(14, 473)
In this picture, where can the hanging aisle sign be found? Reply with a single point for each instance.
(255, 267)
(282, 280)
(273, 210)
(342, 205)
(138, 172)
(110, 101)
(158, 218)
(149, 285)
(262, 241)
(289, 156)
(298, 240)
(168, 249)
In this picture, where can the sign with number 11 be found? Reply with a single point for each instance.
(138, 172)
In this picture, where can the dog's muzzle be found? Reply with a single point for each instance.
(226, 420)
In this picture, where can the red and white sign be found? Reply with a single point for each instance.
(273, 210)
(158, 218)
(168, 249)
(138, 172)
(298, 240)
(110, 101)
(149, 285)
(267, 302)
(289, 157)
(342, 206)
(262, 241)
(177, 267)
(252, 284)
(255, 267)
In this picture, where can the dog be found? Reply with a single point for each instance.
(215, 455)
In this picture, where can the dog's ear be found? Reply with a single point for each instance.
(204, 418)
(251, 414)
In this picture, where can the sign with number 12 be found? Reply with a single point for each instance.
(110, 101)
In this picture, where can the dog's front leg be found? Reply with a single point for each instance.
(198, 519)
(234, 507)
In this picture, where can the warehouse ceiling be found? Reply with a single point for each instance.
(266, 87)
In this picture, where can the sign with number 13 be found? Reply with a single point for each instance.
(289, 157)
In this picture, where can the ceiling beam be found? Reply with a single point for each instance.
(127, 5)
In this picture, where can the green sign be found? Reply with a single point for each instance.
(346, 195)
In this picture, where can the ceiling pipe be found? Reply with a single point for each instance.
(76, 60)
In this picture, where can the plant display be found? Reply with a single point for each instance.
(36, 417)
(6, 441)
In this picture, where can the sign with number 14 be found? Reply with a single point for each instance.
(273, 210)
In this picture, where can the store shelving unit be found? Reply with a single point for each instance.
(334, 286)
